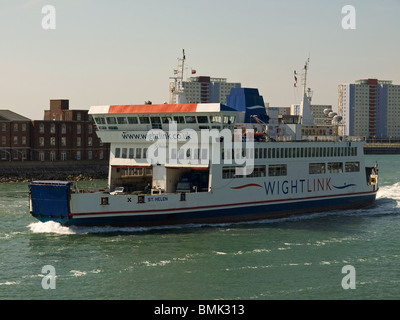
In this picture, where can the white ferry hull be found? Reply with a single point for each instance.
(85, 209)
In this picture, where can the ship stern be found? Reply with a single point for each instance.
(50, 200)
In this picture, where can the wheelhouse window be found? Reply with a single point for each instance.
(179, 119)
(202, 119)
(144, 120)
(122, 120)
(132, 120)
(215, 119)
(111, 120)
(190, 119)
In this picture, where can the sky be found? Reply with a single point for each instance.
(107, 52)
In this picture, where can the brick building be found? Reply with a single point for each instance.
(15, 136)
(64, 134)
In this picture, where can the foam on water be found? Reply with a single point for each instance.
(390, 192)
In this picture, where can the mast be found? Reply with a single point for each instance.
(305, 108)
(181, 66)
(176, 85)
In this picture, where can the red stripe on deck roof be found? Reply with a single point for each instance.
(154, 108)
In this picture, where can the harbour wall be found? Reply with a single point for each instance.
(46, 170)
(382, 148)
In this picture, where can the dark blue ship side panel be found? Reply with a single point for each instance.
(50, 199)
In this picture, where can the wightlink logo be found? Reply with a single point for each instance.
(189, 147)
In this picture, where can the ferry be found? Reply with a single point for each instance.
(211, 163)
(282, 173)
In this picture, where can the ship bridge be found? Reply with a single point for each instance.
(159, 116)
(133, 129)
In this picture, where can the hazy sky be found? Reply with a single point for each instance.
(124, 51)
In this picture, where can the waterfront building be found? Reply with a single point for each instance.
(63, 135)
(370, 108)
(201, 89)
(15, 132)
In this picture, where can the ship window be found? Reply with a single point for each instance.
(131, 153)
(227, 120)
(138, 153)
(196, 153)
(179, 119)
(166, 120)
(190, 119)
(132, 120)
(229, 173)
(215, 119)
(204, 154)
(100, 120)
(202, 119)
(155, 120)
(111, 120)
(144, 153)
(124, 153)
(122, 120)
(173, 154)
(352, 167)
(316, 168)
(144, 120)
(117, 152)
(258, 171)
(277, 170)
(335, 167)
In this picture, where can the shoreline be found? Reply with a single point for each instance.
(27, 172)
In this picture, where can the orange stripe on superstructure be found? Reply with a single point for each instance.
(154, 108)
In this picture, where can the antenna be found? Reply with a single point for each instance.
(181, 65)
(304, 75)
(305, 109)
(176, 85)
(306, 91)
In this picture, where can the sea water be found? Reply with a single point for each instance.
(293, 258)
